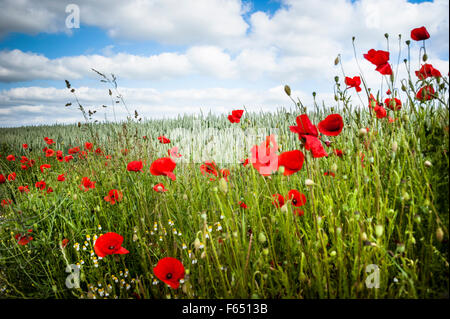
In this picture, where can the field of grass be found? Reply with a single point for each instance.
(379, 217)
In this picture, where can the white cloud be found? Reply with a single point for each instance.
(296, 45)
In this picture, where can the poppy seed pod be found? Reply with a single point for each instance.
(309, 182)
(439, 234)
(394, 146)
(262, 238)
(379, 229)
(425, 57)
(336, 61)
(287, 89)
(362, 132)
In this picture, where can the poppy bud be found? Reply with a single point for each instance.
(394, 146)
(185, 197)
(309, 182)
(262, 238)
(333, 253)
(336, 79)
(417, 218)
(215, 189)
(413, 240)
(197, 243)
(362, 132)
(408, 42)
(406, 196)
(403, 88)
(428, 164)
(287, 89)
(405, 117)
(400, 248)
(386, 35)
(379, 229)
(439, 234)
(425, 57)
(265, 251)
(281, 170)
(223, 185)
(336, 61)
(336, 98)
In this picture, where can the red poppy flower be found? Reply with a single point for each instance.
(426, 71)
(169, 270)
(2, 179)
(292, 161)
(394, 104)
(425, 93)
(68, 158)
(210, 169)
(278, 200)
(25, 146)
(245, 162)
(6, 202)
(297, 199)
(329, 174)
(135, 166)
(23, 189)
(308, 132)
(82, 155)
(74, 150)
(124, 152)
(108, 244)
(44, 166)
(354, 82)
(11, 158)
(86, 184)
(338, 153)
(88, 146)
(49, 152)
(49, 190)
(380, 111)
(332, 125)
(64, 242)
(99, 151)
(173, 152)
(243, 205)
(24, 159)
(264, 157)
(163, 166)
(164, 140)
(225, 172)
(12, 176)
(299, 212)
(388, 92)
(59, 156)
(41, 185)
(379, 58)
(23, 239)
(61, 178)
(419, 34)
(235, 116)
(160, 188)
(49, 141)
(113, 196)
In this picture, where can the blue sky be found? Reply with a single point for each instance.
(235, 47)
